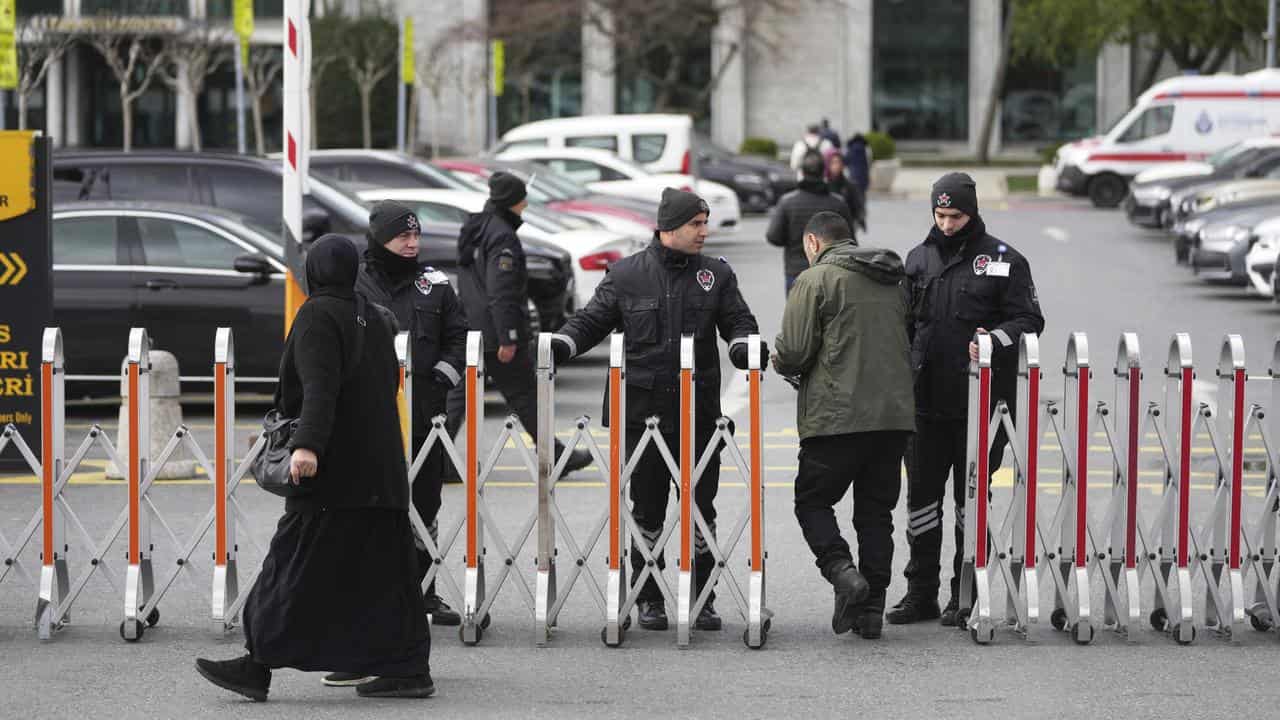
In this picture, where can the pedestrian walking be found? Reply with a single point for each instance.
(839, 183)
(962, 281)
(812, 141)
(425, 306)
(856, 160)
(337, 589)
(656, 296)
(844, 335)
(493, 281)
(793, 212)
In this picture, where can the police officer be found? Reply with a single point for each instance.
(962, 281)
(494, 281)
(424, 305)
(655, 296)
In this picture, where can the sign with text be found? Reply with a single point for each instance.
(26, 280)
(8, 47)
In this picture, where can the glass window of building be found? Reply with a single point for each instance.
(920, 69)
(134, 7)
(1046, 103)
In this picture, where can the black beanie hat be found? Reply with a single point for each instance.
(812, 167)
(388, 219)
(679, 207)
(506, 190)
(956, 191)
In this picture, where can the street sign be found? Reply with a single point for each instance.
(243, 19)
(8, 48)
(26, 285)
(498, 52)
(408, 74)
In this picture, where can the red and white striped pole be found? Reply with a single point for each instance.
(297, 146)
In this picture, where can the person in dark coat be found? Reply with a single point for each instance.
(494, 284)
(656, 296)
(796, 209)
(961, 281)
(337, 589)
(840, 184)
(425, 306)
(855, 159)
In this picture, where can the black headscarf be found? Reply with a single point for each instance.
(332, 265)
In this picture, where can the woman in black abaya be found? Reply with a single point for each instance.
(338, 589)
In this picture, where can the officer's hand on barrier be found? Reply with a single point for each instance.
(506, 353)
(302, 464)
(973, 346)
(561, 349)
(738, 355)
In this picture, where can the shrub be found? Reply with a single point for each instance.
(882, 146)
(759, 146)
(1048, 153)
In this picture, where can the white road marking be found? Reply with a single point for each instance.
(1057, 234)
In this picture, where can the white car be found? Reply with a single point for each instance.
(604, 172)
(1260, 263)
(657, 142)
(592, 249)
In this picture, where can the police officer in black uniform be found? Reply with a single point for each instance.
(962, 281)
(655, 296)
(426, 307)
(494, 284)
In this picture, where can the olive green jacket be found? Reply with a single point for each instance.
(844, 334)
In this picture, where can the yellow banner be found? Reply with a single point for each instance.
(8, 48)
(243, 12)
(408, 74)
(17, 175)
(498, 51)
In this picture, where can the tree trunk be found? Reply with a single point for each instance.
(1216, 59)
(997, 88)
(411, 122)
(315, 129)
(193, 106)
(126, 120)
(435, 123)
(259, 139)
(22, 109)
(1150, 71)
(366, 114)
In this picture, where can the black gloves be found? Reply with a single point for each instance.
(738, 355)
(562, 348)
(441, 379)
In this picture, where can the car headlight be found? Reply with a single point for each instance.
(1158, 193)
(775, 176)
(1225, 234)
(750, 179)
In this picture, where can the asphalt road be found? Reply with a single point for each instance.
(1094, 274)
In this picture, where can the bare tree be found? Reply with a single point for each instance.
(195, 54)
(265, 65)
(370, 56)
(134, 49)
(40, 45)
(437, 67)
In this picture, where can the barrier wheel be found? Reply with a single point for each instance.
(604, 637)
(1177, 635)
(626, 623)
(462, 635)
(153, 617)
(1159, 619)
(1259, 623)
(1058, 619)
(484, 624)
(962, 618)
(768, 624)
(983, 634)
(1075, 634)
(746, 639)
(138, 628)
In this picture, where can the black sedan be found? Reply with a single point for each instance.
(759, 182)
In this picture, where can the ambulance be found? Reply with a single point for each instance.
(1177, 120)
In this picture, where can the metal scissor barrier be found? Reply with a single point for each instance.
(1260, 558)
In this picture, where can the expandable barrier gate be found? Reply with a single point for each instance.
(1170, 554)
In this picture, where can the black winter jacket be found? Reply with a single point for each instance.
(351, 424)
(425, 306)
(493, 280)
(654, 297)
(794, 210)
(983, 283)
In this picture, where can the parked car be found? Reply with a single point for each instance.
(1260, 261)
(1232, 192)
(604, 172)
(181, 271)
(381, 168)
(621, 215)
(759, 182)
(1187, 232)
(1150, 192)
(1218, 252)
(1182, 118)
(658, 143)
(253, 188)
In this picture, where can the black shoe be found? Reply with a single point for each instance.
(951, 613)
(419, 686)
(440, 612)
(578, 459)
(869, 624)
(707, 618)
(345, 679)
(850, 590)
(653, 615)
(914, 607)
(242, 675)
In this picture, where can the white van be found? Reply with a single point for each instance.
(1176, 120)
(658, 143)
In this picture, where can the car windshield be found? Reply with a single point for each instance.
(708, 147)
(1226, 155)
(343, 201)
(443, 177)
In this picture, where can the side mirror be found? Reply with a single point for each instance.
(315, 222)
(252, 264)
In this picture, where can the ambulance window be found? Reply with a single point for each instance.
(1153, 122)
(598, 142)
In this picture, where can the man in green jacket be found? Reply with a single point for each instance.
(844, 337)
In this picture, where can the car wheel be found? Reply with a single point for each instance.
(757, 202)
(1107, 190)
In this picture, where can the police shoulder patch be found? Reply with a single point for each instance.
(721, 258)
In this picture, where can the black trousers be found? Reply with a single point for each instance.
(870, 462)
(650, 490)
(427, 498)
(518, 383)
(938, 449)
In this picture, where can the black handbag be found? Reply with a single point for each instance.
(271, 467)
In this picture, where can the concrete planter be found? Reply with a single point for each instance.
(1047, 181)
(883, 173)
